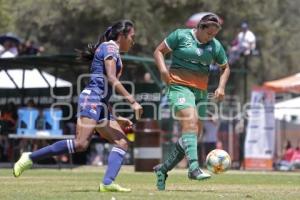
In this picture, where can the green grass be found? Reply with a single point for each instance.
(81, 183)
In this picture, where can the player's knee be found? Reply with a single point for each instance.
(123, 144)
(190, 126)
(81, 146)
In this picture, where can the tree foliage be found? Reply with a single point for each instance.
(5, 19)
(63, 25)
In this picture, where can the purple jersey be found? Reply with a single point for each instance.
(98, 81)
(93, 100)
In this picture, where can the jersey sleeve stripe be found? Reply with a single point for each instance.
(222, 65)
(165, 41)
(110, 55)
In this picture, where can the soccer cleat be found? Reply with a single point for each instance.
(198, 174)
(113, 187)
(23, 163)
(160, 178)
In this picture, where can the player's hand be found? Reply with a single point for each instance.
(219, 94)
(165, 76)
(138, 110)
(124, 122)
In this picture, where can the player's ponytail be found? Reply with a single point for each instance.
(111, 33)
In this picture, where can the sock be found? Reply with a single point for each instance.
(189, 144)
(115, 159)
(174, 157)
(58, 148)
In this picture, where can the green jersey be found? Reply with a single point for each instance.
(189, 53)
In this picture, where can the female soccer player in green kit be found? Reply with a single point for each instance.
(193, 50)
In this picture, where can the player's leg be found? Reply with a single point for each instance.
(114, 134)
(182, 100)
(89, 113)
(177, 98)
(84, 132)
(173, 158)
(188, 112)
(201, 105)
(189, 124)
(161, 170)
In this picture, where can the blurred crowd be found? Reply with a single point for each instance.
(11, 46)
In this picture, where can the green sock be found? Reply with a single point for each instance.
(189, 143)
(175, 156)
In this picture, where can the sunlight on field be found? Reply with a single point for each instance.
(82, 183)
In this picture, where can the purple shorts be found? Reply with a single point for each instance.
(91, 105)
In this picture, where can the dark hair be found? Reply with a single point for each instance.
(111, 33)
(208, 20)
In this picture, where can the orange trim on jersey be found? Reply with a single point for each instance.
(189, 78)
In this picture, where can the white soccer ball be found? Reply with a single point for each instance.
(218, 161)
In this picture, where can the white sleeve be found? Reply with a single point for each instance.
(251, 37)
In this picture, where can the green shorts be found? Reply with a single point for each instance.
(181, 97)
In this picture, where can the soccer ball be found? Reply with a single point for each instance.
(218, 161)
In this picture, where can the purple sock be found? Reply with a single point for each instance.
(58, 148)
(115, 160)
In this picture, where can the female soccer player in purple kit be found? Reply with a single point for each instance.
(93, 107)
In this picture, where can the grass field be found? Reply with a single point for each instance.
(81, 183)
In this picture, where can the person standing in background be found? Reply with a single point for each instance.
(244, 44)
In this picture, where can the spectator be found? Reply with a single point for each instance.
(8, 120)
(295, 160)
(285, 163)
(30, 48)
(288, 153)
(10, 50)
(244, 44)
(9, 117)
(9, 45)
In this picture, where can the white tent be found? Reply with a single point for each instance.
(32, 79)
(288, 110)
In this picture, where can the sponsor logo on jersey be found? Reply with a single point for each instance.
(93, 111)
(199, 51)
(181, 100)
(188, 42)
(93, 108)
(111, 48)
(209, 48)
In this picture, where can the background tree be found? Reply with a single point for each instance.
(5, 22)
(63, 25)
